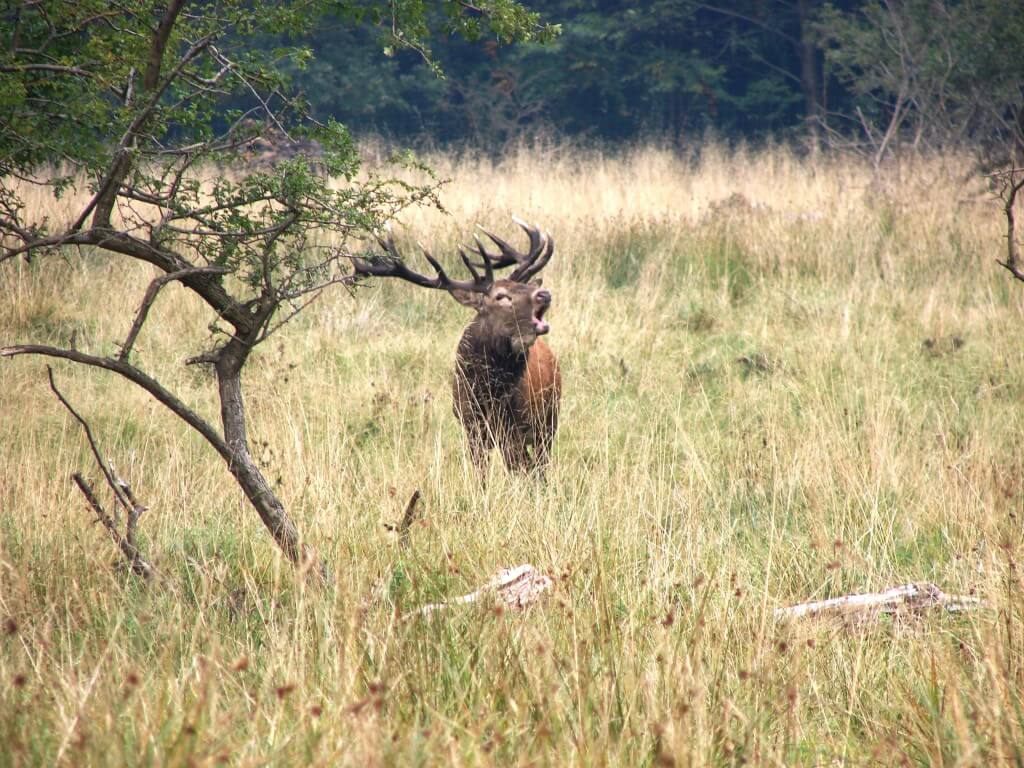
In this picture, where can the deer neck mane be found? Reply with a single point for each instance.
(487, 355)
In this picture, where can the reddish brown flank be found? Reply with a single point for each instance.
(541, 390)
(507, 386)
(541, 387)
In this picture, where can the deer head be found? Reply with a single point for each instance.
(508, 309)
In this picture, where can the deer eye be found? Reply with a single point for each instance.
(504, 298)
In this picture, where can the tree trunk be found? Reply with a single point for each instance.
(233, 446)
(250, 479)
(809, 71)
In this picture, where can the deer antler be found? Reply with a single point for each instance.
(392, 265)
(542, 246)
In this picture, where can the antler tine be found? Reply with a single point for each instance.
(531, 268)
(442, 276)
(488, 268)
(489, 262)
(387, 244)
(527, 264)
(536, 236)
(509, 255)
(394, 266)
(469, 264)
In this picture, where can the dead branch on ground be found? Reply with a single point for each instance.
(907, 598)
(123, 496)
(515, 588)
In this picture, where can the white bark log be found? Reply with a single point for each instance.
(516, 588)
(917, 598)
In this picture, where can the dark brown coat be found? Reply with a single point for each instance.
(507, 385)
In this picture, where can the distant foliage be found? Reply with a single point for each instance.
(932, 73)
(619, 69)
(742, 69)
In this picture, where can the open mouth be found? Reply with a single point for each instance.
(540, 325)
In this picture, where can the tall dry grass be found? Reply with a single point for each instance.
(785, 379)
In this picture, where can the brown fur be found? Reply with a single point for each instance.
(507, 384)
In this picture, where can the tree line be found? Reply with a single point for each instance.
(870, 74)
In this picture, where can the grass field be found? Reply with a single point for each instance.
(784, 380)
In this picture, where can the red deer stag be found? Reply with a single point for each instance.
(506, 386)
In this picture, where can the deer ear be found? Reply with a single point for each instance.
(537, 283)
(467, 298)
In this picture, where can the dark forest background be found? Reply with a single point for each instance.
(870, 75)
(619, 69)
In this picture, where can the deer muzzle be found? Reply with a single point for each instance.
(541, 303)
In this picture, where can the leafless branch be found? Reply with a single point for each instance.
(313, 294)
(120, 242)
(122, 492)
(136, 561)
(107, 474)
(407, 518)
(133, 374)
(136, 508)
(264, 100)
(150, 297)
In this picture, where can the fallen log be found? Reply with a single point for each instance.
(516, 588)
(912, 598)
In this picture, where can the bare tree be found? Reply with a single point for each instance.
(1007, 185)
(928, 75)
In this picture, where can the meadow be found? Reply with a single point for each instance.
(786, 378)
